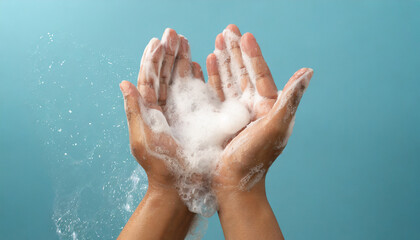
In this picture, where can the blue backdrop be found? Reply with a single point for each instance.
(350, 170)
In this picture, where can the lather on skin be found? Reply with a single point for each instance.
(244, 210)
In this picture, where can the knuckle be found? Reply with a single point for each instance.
(262, 76)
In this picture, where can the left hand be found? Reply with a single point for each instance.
(246, 159)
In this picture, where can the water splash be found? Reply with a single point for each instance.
(82, 124)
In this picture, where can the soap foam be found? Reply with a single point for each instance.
(201, 124)
(254, 175)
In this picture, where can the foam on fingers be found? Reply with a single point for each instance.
(284, 110)
(232, 38)
(151, 63)
(230, 86)
(197, 71)
(202, 117)
(200, 123)
(170, 42)
(182, 67)
(294, 89)
(214, 77)
(260, 74)
(131, 107)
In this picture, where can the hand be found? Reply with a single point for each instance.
(246, 159)
(161, 214)
(239, 181)
(155, 150)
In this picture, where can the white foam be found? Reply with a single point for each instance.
(254, 175)
(146, 62)
(250, 97)
(155, 119)
(202, 124)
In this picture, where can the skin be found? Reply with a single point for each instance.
(162, 214)
(256, 146)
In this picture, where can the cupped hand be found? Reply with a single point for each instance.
(157, 152)
(238, 63)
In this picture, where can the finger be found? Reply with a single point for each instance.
(170, 42)
(133, 112)
(284, 110)
(197, 71)
(148, 80)
(223, 60)
(182, 65)
(232, 37)
(213, 76)
(260, 74)
(139, 129)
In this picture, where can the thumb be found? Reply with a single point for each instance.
(284, 110)
(132, 101)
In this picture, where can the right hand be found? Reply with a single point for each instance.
(154, 151)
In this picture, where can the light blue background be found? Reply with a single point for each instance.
(351, 168)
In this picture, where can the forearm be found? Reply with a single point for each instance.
(247, 214)
(160, 215)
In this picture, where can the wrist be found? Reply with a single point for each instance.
(161, 214)
(234, 194)
(247, 214)
(164, 195)
(239, 178)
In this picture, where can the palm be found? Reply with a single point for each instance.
(243, 72)
(155, 149)
(257, 146)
